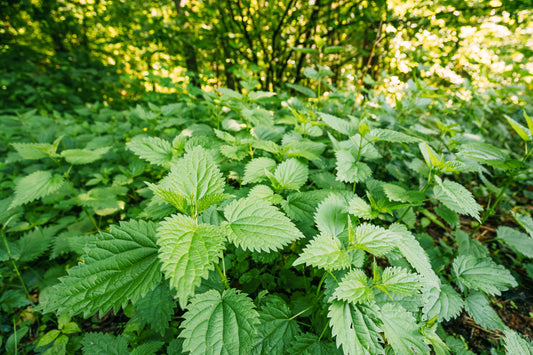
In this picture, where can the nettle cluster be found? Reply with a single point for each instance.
(294, 231)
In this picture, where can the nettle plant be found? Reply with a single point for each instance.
(280, 229)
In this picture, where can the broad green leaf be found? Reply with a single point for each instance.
(258, 95)
(238, 152)
(520, 242)
(188, 251)
(291, 174)
(258, 117)
(104, 344)
(34, 151)
(149, 348)
(400, 281)
(389, 135)
(525, 221)
(210, 200)
(302, 90)
(469, 246)
(255, 170)
(156, 308)
(348, 170)
(33, 244)
(478, 307)
(153, 149)
(300, 206)
(229, 94)
(430, 156)
(265, 193)
(119, 267)
(48, 337)
(359, 208)
(104, 200)
(514, 343)
(354, 287)
(445, 303)
(399, 194)
(449, 216)
(172, 197)
(195, 176)
(219, 323)
(331, 216)
(354, 327)
(402, 331)
(457, 198)
(374, 239)
(35, 186)
(310, 344)
(482, 153)
(458, 346)
(84, 156)
(519, 129)
(277, 329)
(340, 125)
(325, 251)
(482, 274)
(529, 122)
(256, 225)
(268, 146)
(414, 253)
(305, 149)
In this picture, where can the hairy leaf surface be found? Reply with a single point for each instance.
(326, 252)
(153, 149)
(401, 330)
(482, 274)
(457, 198)
(35, 186)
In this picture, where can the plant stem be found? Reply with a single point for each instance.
(324, 330)
(301, 312)
(15, 265)
(222, 277)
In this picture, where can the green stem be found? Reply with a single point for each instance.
(301, 312)
(222, 277)
(15, 265)
(320, 283)
(324, 330)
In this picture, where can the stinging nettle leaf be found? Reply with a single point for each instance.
(401, 330)
(520, 242)
(255, 170)
(445, 303)
(331, 216)
(526, 135)
(525, 221)
(348, 170)
(256, 225)
(84, 156)
(325, 251)
(354, 287)
(310, 344)
(374, 239)
(482, 274)
(35, 186)
(188, 251)
(120, 266)
(220, 323)
(340, 125)
(478, 307)
(514, 343)
(400, 281)
(153, 149)
(457, 198)
(354, 327)
(34, 151)
(389, 135)
(359, 208)
(291, 174)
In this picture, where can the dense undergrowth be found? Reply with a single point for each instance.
(264, 223)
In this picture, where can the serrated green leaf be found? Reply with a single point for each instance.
(482, 274)
(195, 176)
(277, 329)
(156, 308)
(48, 338)
(300, 206)
(35, 186)
(219, 323)
(525, 221)
(256, 225)
(354, 327)
(519, 129)
(268, 146)
(374, 239)
(331, 216)
(302, 90)
(33, 244)
(348, 170)
(354, 287)
(172, 197)
(265, 193)
(414, 253)
(305, 149)
(359, 208)
(482, 153)
(457, 198)
(515, 344)
(98, 283)
(430, 156)
(389, 135)
(449, 216)
(104, 344)
(34, 151)
(291, 174)
(401, 330)
(71, 328)
(235, 152)
(149, 348)
(478, 307)
(400, 281)
(258, 95)
(153, 149)
(209, 200)
(444, 303)
(325, 251)
(340, 125)
(520, 242)
(188, 251)
(84, 156)
(255, 170)
(310, 344)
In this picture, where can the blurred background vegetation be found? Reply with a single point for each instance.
(61, 53)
